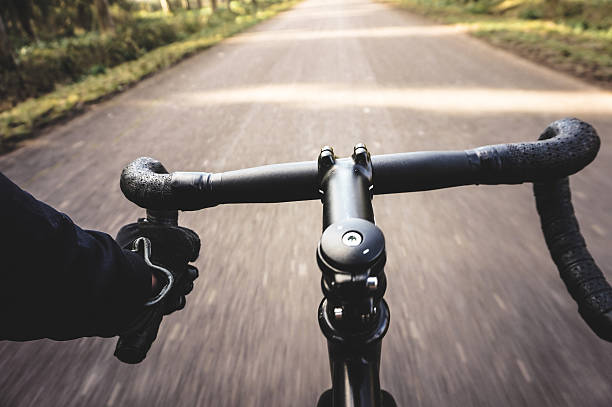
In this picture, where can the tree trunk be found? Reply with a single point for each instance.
(213, 5)
(7, 60)
(23, 8)
(84, 17)
(9, 72)
(104, 17)
(185, 4)
(165, 6)
(199, 3)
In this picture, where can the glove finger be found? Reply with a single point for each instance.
(170, 243)
(187, 288)
(182, 303)
(192, 273)
(175, 304)
(171, 304)
(185, 284)
(194, 243)
(127, 234)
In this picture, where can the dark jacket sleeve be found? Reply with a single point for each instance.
(59, 281)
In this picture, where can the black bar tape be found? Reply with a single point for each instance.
(147, 183)
(584, 280)
(565, 147)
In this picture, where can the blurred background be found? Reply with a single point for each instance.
(479, 316)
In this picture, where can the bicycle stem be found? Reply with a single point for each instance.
(351, 255)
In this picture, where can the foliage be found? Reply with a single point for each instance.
(530, 13)
(54, 42)
(569, 35)
(23, 119)
(595, 14)
(42, 65)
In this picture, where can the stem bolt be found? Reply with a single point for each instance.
(372, 283)
(352, 238)
(338, 313)
(360, 154)
(326, 159)
(367, 317)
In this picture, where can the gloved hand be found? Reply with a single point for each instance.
(171, 248)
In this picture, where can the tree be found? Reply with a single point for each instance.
(185, 4)
(22, 11)
(9, 72)
(84, 15)
(7, 60)
(104, 17)
(213, 5)
(165, 6)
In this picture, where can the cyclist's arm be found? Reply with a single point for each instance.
(59, 281)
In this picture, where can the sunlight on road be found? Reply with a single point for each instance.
(374, 32)
(354, 11)
(448, 100)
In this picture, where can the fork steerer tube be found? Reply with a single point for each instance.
(351, 255)
(354, 359)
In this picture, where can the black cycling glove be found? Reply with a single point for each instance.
(168, 249)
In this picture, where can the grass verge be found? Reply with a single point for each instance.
(574, 46)
(23, 120)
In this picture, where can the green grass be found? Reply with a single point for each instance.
(25, 118)
(573, 36)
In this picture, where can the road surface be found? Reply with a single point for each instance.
(479, 315)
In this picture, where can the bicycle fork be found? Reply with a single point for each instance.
(353, 315)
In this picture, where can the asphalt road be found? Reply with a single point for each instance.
(479, 315)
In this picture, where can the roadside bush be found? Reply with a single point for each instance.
(43, 65)
(479, 7)
(570, 9)
(530, 14)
